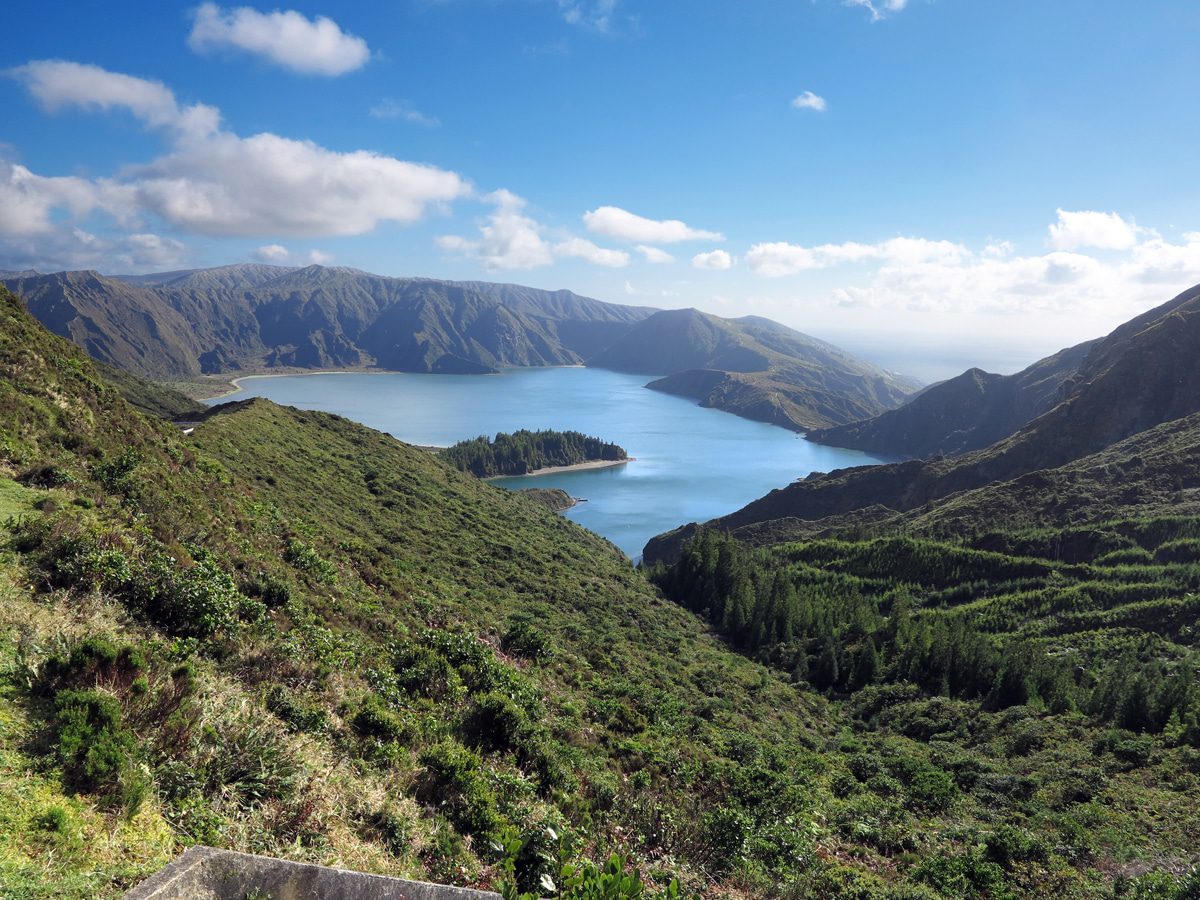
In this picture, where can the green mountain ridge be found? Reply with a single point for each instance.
(977, 408)
(755, 368)
(258, 317)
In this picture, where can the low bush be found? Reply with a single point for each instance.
(98, 754)
(455, 782)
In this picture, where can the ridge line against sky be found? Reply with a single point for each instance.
(932, 172)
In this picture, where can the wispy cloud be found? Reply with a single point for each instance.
(597, 15)
(272, 253)
(654, 254)
(1125, 269)
(509, 239)
(879, 9)
(403, 110)
(809, 100)
(598, 256)
(286, 38)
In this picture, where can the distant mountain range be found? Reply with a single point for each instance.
(254, 317)
(1069, 437)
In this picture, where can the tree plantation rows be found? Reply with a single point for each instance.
(1112, 637)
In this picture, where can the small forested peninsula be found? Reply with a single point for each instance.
(526, 451)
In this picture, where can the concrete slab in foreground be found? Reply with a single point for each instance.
(203, 873)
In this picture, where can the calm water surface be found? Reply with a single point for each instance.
(692, 464)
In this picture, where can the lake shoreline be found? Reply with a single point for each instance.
(577, 467)
(228, 386)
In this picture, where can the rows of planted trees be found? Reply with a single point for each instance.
(526, 451)
(1113, 635)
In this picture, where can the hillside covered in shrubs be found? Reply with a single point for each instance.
(289, 634)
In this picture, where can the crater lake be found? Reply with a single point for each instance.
(689, 463)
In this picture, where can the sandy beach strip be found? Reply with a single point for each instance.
(578, 467)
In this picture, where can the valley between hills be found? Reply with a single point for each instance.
(971, 673)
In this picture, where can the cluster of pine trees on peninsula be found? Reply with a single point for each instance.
(526, 451)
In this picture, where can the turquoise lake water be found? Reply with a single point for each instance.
(692, 464)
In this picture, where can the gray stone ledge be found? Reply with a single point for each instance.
(203, 873)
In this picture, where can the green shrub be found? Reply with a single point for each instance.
(1007, 846)
(726, 836)
(1183, 550)
(272, 591)
(455, 782)
(1128, 556)
(964, 876)
(375, 720)
(494, 723)
(93, 660)
(526, 640)
(97, 752)
(116, 475)
(305, 558)
(297, 714)
(424, 672)
(198, 601)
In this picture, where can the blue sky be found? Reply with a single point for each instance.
(935, 183)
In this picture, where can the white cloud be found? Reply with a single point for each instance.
(654, 254)
(714, 259)
(1104, 231)
(277, 253)
(917, 275)
(585, 249)
(509, 239)
(272, 253)
(403, 110)
(614, 222)
(266, 184)
(218, 183)
(879, 9)
(809, 100)
(777, 259)
(150, 251)
(27, 200)
(287, 38)
(74, 248)
(58, 84)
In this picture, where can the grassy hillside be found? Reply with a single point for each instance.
(289, 634)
